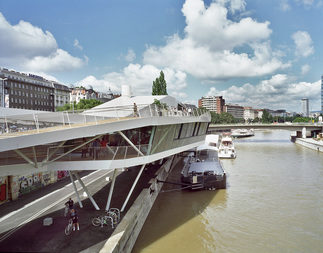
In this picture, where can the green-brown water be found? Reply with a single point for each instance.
(273, 203)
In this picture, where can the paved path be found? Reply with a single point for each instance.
(21, 221)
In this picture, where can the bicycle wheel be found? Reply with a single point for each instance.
(68, 229)
(96, 222)
(114, 217)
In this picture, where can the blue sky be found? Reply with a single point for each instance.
(258, 53)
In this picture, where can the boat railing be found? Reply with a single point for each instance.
(42, 121)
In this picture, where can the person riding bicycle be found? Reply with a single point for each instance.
(75, 219)
(70, 203)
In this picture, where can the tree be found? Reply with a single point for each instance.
(159, 85)
(88, 103)
(82, 105)
(226, 118)
(215, 118)
(266, 117)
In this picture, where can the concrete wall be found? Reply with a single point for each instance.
(13, 187)
(125, 235)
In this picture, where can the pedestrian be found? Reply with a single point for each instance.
(84, 148)
(75, 219)
(96, 148)
(135, 110)
(70, 203)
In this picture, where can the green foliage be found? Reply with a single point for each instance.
(266, 117)
(65, 107)
(223, 118)
(159, 85)
(82, 105)
(158, 103)
(215, 118)
(301, 120)
(87, 104)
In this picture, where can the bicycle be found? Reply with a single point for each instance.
(66, 210)
(113, 216)
(69, 227)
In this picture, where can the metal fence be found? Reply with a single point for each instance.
(36, 121)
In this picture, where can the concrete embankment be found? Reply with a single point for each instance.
(310, 143)
(125, 235)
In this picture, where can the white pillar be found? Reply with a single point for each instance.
(304, 132)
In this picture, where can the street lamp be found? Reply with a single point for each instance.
(3, 79)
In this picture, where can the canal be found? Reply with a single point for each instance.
(273, 203)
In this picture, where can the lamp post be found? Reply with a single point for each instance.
(3, 79)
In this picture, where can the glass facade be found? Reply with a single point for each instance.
(173, 136)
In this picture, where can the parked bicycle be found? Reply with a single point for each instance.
(69, 227)
(111, 217)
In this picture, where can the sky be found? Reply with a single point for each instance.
(256, 53)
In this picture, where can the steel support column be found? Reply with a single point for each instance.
(87, 192)
(76, 192)
(111, 190)
(133, 187)
(131, 144)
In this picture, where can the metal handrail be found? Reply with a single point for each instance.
(54, 119)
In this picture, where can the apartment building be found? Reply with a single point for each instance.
(237, 111)
(26, 91)
(32, 92)
(61, 94)
(212, 103)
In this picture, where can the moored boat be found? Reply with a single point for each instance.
(203, 169)
(226, 148)
(241, 133)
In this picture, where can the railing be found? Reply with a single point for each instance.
(73, 153)
(37, 121)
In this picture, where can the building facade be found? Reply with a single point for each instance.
(305, 107)
(322, 94)
(26, 91)
(237, 111)
(61, 94)
(212, 103)
(249, 113)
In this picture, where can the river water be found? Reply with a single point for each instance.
(273, 203)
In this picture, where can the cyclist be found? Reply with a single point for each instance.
(75, 219)
(70, 203)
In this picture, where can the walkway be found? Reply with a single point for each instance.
(49, 202)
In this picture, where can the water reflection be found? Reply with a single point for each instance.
(272, 203)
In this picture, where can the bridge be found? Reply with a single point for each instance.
(281, 126)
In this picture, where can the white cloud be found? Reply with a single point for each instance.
(59, 60)
(24, 46)
(207, 50)
(234, 5)
(304, 43)
(284, 5)
(279, 92)
(140, 78)
(131, 56)
(77, 45)
(305, 69)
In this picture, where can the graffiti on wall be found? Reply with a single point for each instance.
(62, 174)
(30, 183)
(3, 192)
(3, 189)
(46, 178)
